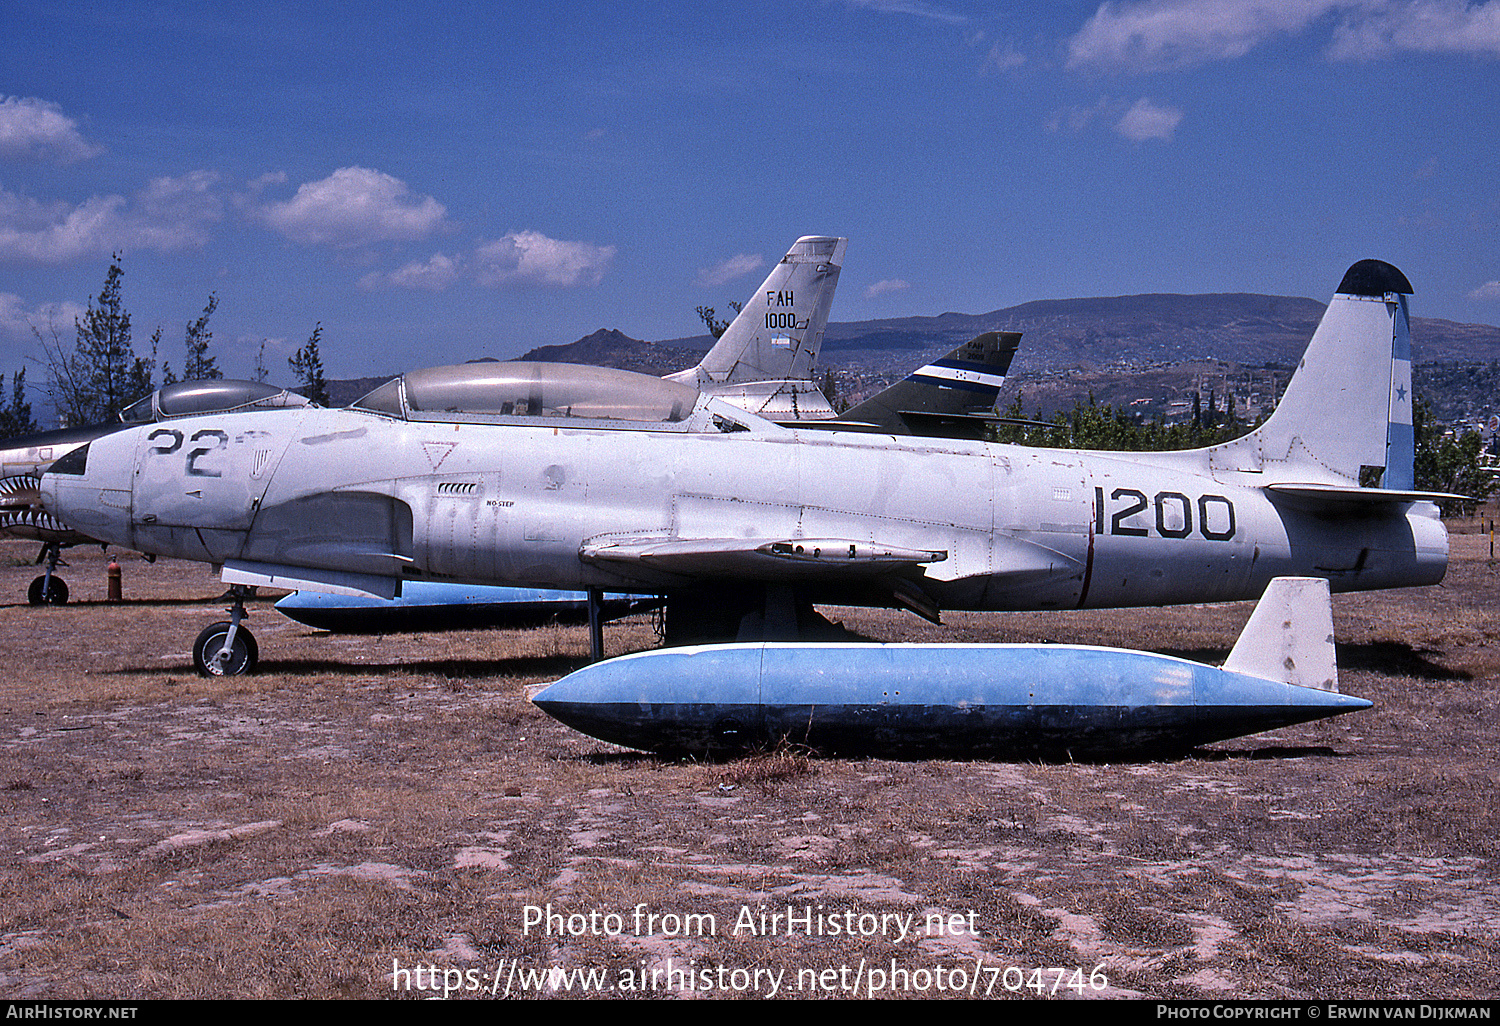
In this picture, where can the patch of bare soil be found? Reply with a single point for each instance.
(390, 816)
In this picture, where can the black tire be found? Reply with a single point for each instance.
(57, 595)
(242, 657)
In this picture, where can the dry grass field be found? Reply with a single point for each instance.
(377, 817)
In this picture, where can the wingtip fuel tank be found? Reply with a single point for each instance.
(957, 700)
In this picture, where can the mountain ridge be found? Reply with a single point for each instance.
(1112, 348)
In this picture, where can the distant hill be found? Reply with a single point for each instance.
(1141, 330)
(612, 348)
(606, 347)
(343, 391)
(1154, 348)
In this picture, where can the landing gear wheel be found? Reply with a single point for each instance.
(243, 654)
(39, 594)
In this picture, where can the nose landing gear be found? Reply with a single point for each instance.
(49, 589)
(227, 648)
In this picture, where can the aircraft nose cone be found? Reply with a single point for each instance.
(55, 488)
(671, 700)
(89, 488)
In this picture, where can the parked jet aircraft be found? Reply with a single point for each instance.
(22, 461)
(611, 481)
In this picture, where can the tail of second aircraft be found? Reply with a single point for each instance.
(953, 396)
(1345, 420)
(778, 334)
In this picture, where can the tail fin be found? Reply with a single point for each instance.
(963, 384)
(1345, 418)
(1289, 637)
(778, 334)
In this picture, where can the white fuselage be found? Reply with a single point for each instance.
(523, 503)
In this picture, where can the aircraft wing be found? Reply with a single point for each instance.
(787, 559)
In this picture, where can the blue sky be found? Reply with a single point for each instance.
(436, 182)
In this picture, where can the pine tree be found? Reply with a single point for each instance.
(307, 364)
(716, 328)
(200, 365)
(94, 383)
(262, 372)
(15, 418)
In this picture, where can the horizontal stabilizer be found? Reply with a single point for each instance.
(1343, 496)
(1289, 637)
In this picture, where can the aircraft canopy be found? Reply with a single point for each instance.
(483, 391)
(215, 395)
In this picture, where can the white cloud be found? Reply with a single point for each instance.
(516, 258)
(880, 288)
(354, 206)
(1076, 119)
(169, 214)
(434, 275)
(726, 271)
(67, 234)
(1162, 34)
(1145, 120)
(913, 7)
(531, 258)
(32, 129)
(269, 178)
(1489, 290)
(173, 213)
(1140, 121)
(1158, 35)
(17, 320)
(1426, 26)
(1003, 57)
